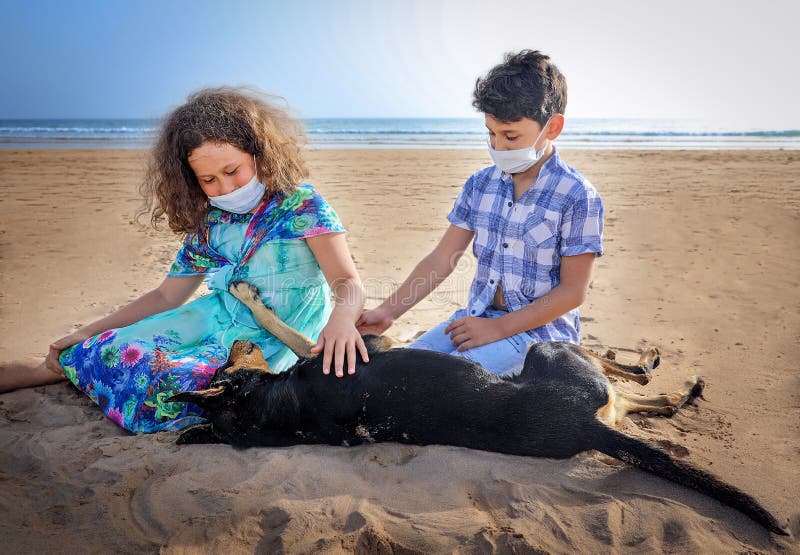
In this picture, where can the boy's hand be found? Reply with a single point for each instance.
(375, 321)
(339, 340)
(469, 332)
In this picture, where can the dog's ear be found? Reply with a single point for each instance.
(202, 398)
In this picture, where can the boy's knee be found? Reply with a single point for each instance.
(500, 358)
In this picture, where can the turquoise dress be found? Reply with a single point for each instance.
(130, 372)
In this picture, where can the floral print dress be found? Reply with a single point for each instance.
(130, 372)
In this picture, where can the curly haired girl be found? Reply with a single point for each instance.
(227, 173)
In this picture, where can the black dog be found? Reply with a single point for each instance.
(559, 405)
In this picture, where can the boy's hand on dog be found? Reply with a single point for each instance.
(470, 332)
(338, 341)
(375, 321)
(51, 362)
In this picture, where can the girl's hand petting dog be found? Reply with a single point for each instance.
(469, 332)
(339, 341)
(51, 362)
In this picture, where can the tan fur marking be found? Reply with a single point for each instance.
(384, 343)
(247, 356)
(607, 414)
(664, 404)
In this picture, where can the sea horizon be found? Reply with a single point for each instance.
(419, 133)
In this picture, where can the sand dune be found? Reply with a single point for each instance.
(701, 260)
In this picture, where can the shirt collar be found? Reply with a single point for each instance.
(549, 167)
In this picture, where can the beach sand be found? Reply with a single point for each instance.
(701, 260)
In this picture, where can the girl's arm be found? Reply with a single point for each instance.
(576, 272)
(340, 338)
(173, 292)
(424, 278)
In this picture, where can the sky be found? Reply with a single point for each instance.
(730, 61)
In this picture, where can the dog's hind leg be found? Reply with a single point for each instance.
(296, 341)
(639, 372)
(664, 404)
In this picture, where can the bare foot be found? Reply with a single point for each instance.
(25, 373)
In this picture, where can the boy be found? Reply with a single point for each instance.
(535, 222)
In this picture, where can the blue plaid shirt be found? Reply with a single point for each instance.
(521, 243)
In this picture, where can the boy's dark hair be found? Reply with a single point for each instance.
(525, 85)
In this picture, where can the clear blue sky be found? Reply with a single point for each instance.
(732, 60)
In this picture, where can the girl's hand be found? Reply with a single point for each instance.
(466, 333)
(340, 339)
(51, 362)
(375, 321)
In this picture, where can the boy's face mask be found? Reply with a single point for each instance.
(517, 161)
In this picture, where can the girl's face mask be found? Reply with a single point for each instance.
(243, 199)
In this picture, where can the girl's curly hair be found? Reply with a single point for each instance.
(245, 118)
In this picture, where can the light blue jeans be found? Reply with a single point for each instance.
(501, 357)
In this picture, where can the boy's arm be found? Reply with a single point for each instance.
(576, 272)
(424, 278)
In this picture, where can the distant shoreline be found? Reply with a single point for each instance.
(415, 133)
(89, 146)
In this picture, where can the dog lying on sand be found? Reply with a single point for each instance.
(560, 404)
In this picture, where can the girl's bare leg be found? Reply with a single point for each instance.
(25, 373)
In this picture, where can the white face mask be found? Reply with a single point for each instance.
(517, 161)
(241, 200)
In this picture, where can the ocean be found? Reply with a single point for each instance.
(428, 133)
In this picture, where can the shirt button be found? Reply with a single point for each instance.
(491, 281)
(473, 312)
(510, 203)
(505, 245)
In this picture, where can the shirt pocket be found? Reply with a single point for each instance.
(540, 233)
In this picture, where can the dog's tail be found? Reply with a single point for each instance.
(643, 455)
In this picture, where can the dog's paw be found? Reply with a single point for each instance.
(199, 433)
(651, 357)
(244, 291)
(610, 355)
(656, 357)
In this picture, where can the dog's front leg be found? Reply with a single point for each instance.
(296, 341)
(199, 433)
